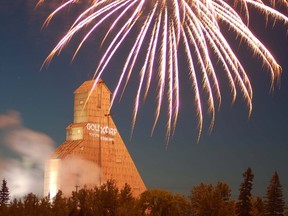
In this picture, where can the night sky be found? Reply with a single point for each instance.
(44, 100)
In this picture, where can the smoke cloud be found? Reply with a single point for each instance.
(23, 155)
(80, 172)
(11, 119)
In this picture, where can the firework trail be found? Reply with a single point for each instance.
(165, 26)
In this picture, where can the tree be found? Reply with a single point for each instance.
(207, 200)
(258, 207)
(127, 203)
(274, 197)
(31, 205)
(244, 205)
(59, 206)
(4, 193)
(45, 208)
(160, 202)
(125, 195)
(180, 206)
(86, 206)
(16, 208)
(106, 199)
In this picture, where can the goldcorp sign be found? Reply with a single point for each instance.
(104, 132)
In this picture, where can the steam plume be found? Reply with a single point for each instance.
(23, 155)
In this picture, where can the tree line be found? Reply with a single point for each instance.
(107, 199)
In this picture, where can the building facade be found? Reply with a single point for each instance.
(94, 151)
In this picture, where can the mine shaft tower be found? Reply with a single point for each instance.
(92, 140)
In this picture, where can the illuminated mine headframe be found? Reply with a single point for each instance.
(94, 151)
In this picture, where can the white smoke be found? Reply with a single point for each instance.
(11, 119)
(80, 172)
(23, 155)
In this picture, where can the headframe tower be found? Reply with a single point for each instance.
(94, 151)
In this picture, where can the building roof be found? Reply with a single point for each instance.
(90, 85)
(66, 149)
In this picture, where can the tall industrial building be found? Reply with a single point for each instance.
(94, 151)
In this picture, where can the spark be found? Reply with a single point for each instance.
(160, 30)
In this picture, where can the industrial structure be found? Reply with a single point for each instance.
(94, 151)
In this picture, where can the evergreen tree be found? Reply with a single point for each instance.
(274, 197)
(244, 205)
(4, 193)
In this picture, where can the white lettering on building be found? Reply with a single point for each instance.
(102, 130)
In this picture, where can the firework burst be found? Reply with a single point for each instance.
(165, 26)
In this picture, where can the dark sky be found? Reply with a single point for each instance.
(44, 99)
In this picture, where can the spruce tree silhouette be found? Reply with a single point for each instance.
(274, 197)
(244, 205)
(4, 193)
